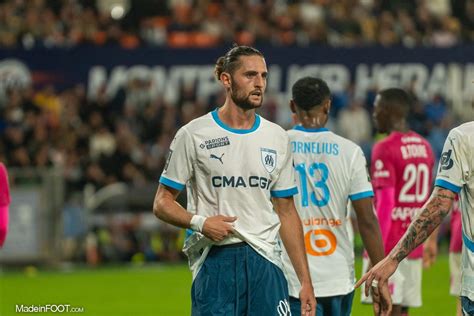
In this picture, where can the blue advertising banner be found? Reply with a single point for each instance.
(430, 71)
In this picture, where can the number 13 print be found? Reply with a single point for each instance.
(311, 172)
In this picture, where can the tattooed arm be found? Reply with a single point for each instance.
(432, 214)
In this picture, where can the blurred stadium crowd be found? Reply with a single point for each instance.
(205, 23)
(126, 139)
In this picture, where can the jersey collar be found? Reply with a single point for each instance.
(216, 118)
(310, 130)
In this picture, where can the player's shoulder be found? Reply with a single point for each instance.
(383, 145)
(462, 136)
(346, 146)
(347, 143)
(198, 123)
(264, 123)
(267, 126)
(414, 138)
(464, 129)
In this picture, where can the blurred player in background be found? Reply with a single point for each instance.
(238, 171)
(455, 176)
(331, 170)
(401, 165)
(4, 203)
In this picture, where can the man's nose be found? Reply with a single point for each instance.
(259, 81)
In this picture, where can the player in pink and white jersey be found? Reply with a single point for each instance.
(4, 203)
(455, 178)
(401, 166)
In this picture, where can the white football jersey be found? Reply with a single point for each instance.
(330, 171)
(455, 172)
(232, 172)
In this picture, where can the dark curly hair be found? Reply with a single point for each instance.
(230, 61)
(309, 92)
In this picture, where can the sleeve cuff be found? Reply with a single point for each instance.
(447, 185)
(284, 193)
(172, 184)
(361, 195)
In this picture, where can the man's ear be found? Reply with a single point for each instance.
(226, 79)
(292, 106)
(327, 106)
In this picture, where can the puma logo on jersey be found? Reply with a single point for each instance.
(218, 158)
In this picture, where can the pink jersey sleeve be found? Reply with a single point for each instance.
(4, 189)
(383, 169)
(385, 201)
(4, 202)
(455, 244)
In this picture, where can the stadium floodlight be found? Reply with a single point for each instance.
(117, 12)
(115, 8)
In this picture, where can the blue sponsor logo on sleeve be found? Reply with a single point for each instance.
(446, 162)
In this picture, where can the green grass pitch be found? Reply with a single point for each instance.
(160, 290)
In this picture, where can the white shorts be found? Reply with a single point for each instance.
(455, 273)
(404, 284)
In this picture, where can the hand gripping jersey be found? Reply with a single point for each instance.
(330, 171)
(455, 173)
(232, 172)
(405, 162)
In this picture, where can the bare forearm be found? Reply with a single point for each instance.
(433, 213)
(369, 228)
(173, 213)
(433, 238)
(167, 209)
(372, 238)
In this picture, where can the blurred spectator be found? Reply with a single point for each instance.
(435, 110)
(182, 24)
(354, 123)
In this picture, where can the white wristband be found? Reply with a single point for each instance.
(197, 222)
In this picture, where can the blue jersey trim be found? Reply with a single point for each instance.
(310, 130)
(171, 183)
(361, 195)
(447, 185)
(256, 124)
(189, 232)
(284, 193)
(468, 242)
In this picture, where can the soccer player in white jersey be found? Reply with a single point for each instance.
(455, 176)
(330, 171)
(237, 168)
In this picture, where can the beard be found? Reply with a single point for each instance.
(243, 101)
